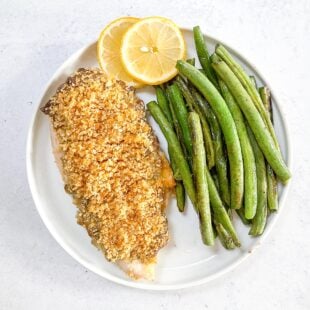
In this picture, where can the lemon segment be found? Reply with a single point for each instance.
(109, 47)
(150, 49)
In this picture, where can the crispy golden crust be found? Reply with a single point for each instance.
(112, 165)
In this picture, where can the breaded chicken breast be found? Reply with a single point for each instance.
(113, 167)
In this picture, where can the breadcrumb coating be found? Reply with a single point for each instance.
(112, 165)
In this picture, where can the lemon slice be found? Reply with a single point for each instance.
(109, 46)
(151, 48)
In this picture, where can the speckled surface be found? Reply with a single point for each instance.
(35, 38)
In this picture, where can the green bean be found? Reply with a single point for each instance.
(250, 183)
(176, 172)
(227, 124)
(241, 214)
(262, 135)
(260, 218)
(190, 102)
(207, 140)
(204, 124)
(219, 211)
(272, 186)
(230, 212)
(177, 129)
(181, 113)
(203, 55)
(272, 190)
(219, 147)
(216, 181)
(224, 237)
(265, 94)
(164, 105)
(253, 81)
(179, 188)
(217, 186)
(200, 170)
(215, 234)
(249, 87)
(180, 195)
(163, 102)
(175, 148)
(191, 61)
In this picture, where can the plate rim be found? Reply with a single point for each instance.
(127, 282)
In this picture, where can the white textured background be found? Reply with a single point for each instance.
(35, 38)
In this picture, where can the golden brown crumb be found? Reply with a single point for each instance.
(112, 165)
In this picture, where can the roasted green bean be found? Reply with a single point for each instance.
(200, 170)
(203, 55)
(272, 186)
(260, 219)
(205, 126)
(163, 102)
(175, 148)
(221, 162)
(250, 182)
(228, 127)
(256, 123)
(181, 113)
(249, 87)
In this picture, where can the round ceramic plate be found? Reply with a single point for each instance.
(185, 261)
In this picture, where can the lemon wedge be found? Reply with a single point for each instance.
(109, 47)
(150, 49)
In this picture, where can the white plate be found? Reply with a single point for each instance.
(185, 261)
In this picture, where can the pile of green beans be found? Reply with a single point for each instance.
(221, 142)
